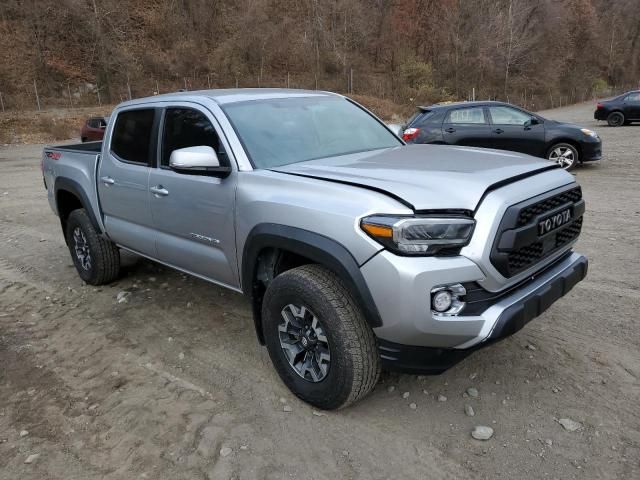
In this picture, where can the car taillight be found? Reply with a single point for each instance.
(599, 106)
(410, 134)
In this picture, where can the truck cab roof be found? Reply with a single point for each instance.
(231, 95)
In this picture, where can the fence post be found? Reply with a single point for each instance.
(69, 90)
(208, 82)
(35, 87)
(185, 83)
(2, 102)
(287, 79)
(128, 87)
(98, 92)
(157, 88)
(351, 80)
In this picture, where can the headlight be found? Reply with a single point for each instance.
(589, 133)
(419, 235)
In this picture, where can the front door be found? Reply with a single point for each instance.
(194, 214)
(511, 130)
(123, 180)
(466, 126)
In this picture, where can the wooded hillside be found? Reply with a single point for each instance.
(533, 52)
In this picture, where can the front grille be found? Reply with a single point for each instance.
(518, 245)
(548, 204)
(525, 256)
(569, 234)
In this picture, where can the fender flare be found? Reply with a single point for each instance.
(316, 247)
(71, 186)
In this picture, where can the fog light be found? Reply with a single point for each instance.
(448, 300)
(442, 301)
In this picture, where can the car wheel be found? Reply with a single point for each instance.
(564, 154)
(96, 259)
(318, 339)
(615, 119)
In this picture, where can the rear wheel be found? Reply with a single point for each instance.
(615, 119)
(318, 339)
(96, 259)
(564, 154)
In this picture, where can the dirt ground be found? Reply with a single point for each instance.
(173, 384)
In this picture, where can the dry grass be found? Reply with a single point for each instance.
(384, 108)
(47, 126)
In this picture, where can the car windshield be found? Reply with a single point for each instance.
(278, 132)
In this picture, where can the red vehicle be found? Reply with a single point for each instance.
(93, 129)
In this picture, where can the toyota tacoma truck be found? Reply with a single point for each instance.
(357, 252)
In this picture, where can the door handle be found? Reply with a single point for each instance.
(107, 181)
(498, 130)
(159, 191)
(450, 130)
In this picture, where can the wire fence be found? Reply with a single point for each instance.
(379, 85)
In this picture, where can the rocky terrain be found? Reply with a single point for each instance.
(160, 375)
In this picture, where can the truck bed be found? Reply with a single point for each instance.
(86, 147)
(75, 166)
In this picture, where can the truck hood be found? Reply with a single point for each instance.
(425, 177)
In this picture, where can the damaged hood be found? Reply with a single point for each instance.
(425, 177)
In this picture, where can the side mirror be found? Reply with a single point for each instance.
(531, 121)
(201, 160)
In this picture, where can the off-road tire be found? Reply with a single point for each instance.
(615, 119)
(354, 367)
(105, 256)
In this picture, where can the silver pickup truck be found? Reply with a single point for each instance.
(356, 251)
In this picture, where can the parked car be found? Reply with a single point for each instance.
(505, 127)
(355, 251)
(621, 110)
(93, 129)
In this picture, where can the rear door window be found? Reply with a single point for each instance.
(470, 115)
(508, 116)
(186, 127)
(132, 134)
(633, 97)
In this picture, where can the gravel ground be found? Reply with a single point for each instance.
(172, 384)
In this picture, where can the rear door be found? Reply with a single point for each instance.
(466, 126)
(123, 179)
(632, 106)
(194, 214)
(510, 130)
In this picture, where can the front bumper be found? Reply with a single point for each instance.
(591, 150)
(507, 315)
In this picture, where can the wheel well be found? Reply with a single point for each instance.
(570, 141)
(66, 203)
(270, 263)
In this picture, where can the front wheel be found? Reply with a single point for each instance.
(96, 259)
(318, 339)
(564, 154)
(615, 119)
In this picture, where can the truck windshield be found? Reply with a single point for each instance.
(278, 132)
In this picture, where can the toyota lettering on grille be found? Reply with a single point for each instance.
(553, 222)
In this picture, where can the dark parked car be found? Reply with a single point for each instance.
(505, 127)
(620, 110)
(93, 129)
